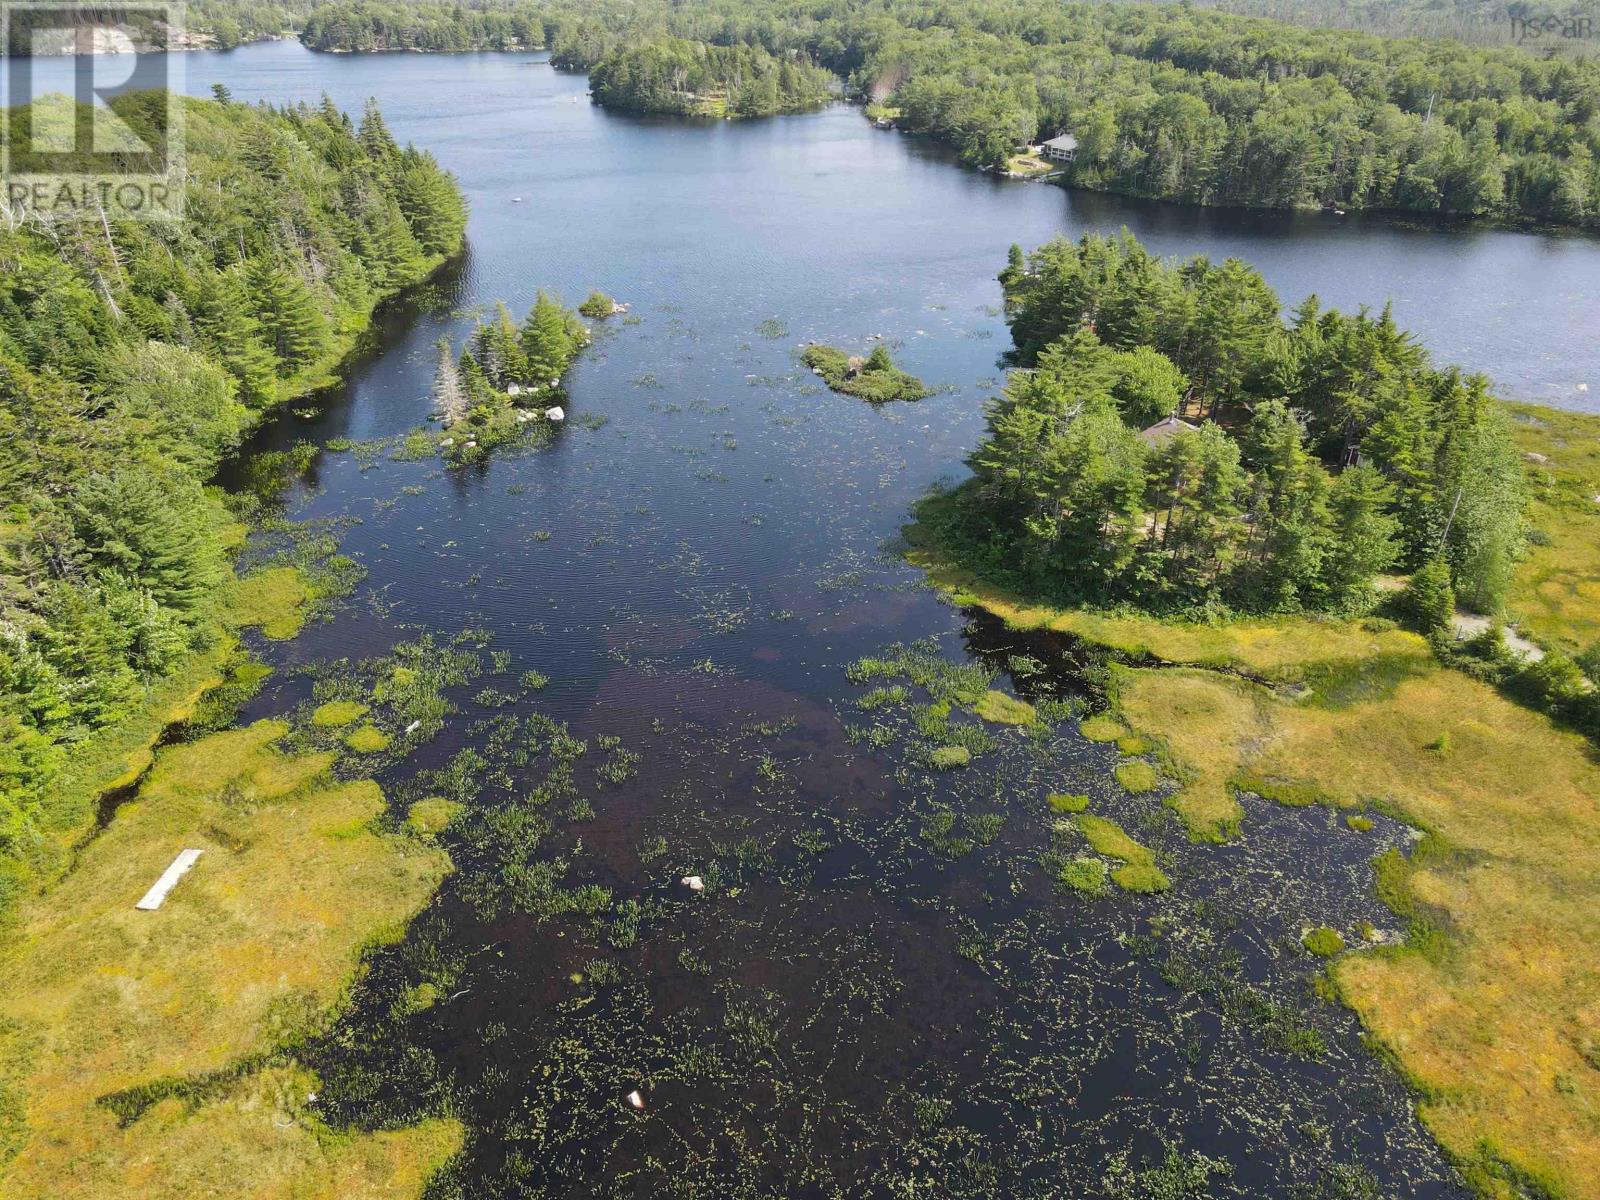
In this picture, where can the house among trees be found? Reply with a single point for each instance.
(1165, 430)
(1060, 149)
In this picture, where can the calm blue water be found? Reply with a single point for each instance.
(823, 207)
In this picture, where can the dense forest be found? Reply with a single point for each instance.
(1478, 22)
(1170, 442)
(134, 355)
(697, 79)
(440, 28)
(1167, 101)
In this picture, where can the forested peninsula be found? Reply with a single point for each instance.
(1265, 527)
(1165, 102)
(134, 357)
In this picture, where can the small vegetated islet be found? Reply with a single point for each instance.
(874, 377)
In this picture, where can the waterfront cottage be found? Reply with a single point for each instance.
(1060, 149)
(1165, 430)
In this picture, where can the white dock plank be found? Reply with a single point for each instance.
(169, 880)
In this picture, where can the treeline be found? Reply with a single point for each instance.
(1207, 108)
(355, 25)
(1315, 454)
(696, 79)
(1553, 27)
(134, 355)
(1167, 101)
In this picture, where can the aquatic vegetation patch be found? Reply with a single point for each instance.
(337, 712)
(874, 377)
(1322, 941)
(1137, 776)
(1138, 872)
(368, 739)
(1004, 709)
(948, 758)
(1064, 802)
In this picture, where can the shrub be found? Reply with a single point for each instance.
(1428, 602)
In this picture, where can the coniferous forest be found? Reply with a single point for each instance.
(1170, 441)
(134, 356)
(1167, 102)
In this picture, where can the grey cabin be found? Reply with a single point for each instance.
(1060, 149)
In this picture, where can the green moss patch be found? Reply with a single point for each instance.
(1139, 872)
(1322, 941)
(369, 739)
(1004, 710)
(1102, 728)
(948, 758)
(1137, 776)
(1064, 802)
(431, 814)
(338, 712)
(273, 601)
(1141, 877)
(1086, 876)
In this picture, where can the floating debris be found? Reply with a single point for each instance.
(636, 1100)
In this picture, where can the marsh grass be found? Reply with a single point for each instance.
(1138, 872)
(337, 713)
(1555, 596)
(1003, 709)
(171, 1010)
(1137, 776)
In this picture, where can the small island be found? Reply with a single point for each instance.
(874, 378)
(506, 384)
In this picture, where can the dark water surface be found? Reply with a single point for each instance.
(879, 992)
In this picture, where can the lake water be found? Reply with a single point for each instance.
(879, 992)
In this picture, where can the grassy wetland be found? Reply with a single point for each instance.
(645, 757)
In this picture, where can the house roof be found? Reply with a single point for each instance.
(1164, 429)
(1065, 142)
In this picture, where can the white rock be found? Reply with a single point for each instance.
(555, 413)
(636, 1100)
(414, 726)
(448, 442)
(514, 389)
(1583, 387)
(694, 883)
(472, 445)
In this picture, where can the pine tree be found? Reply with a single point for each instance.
(449, 389)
